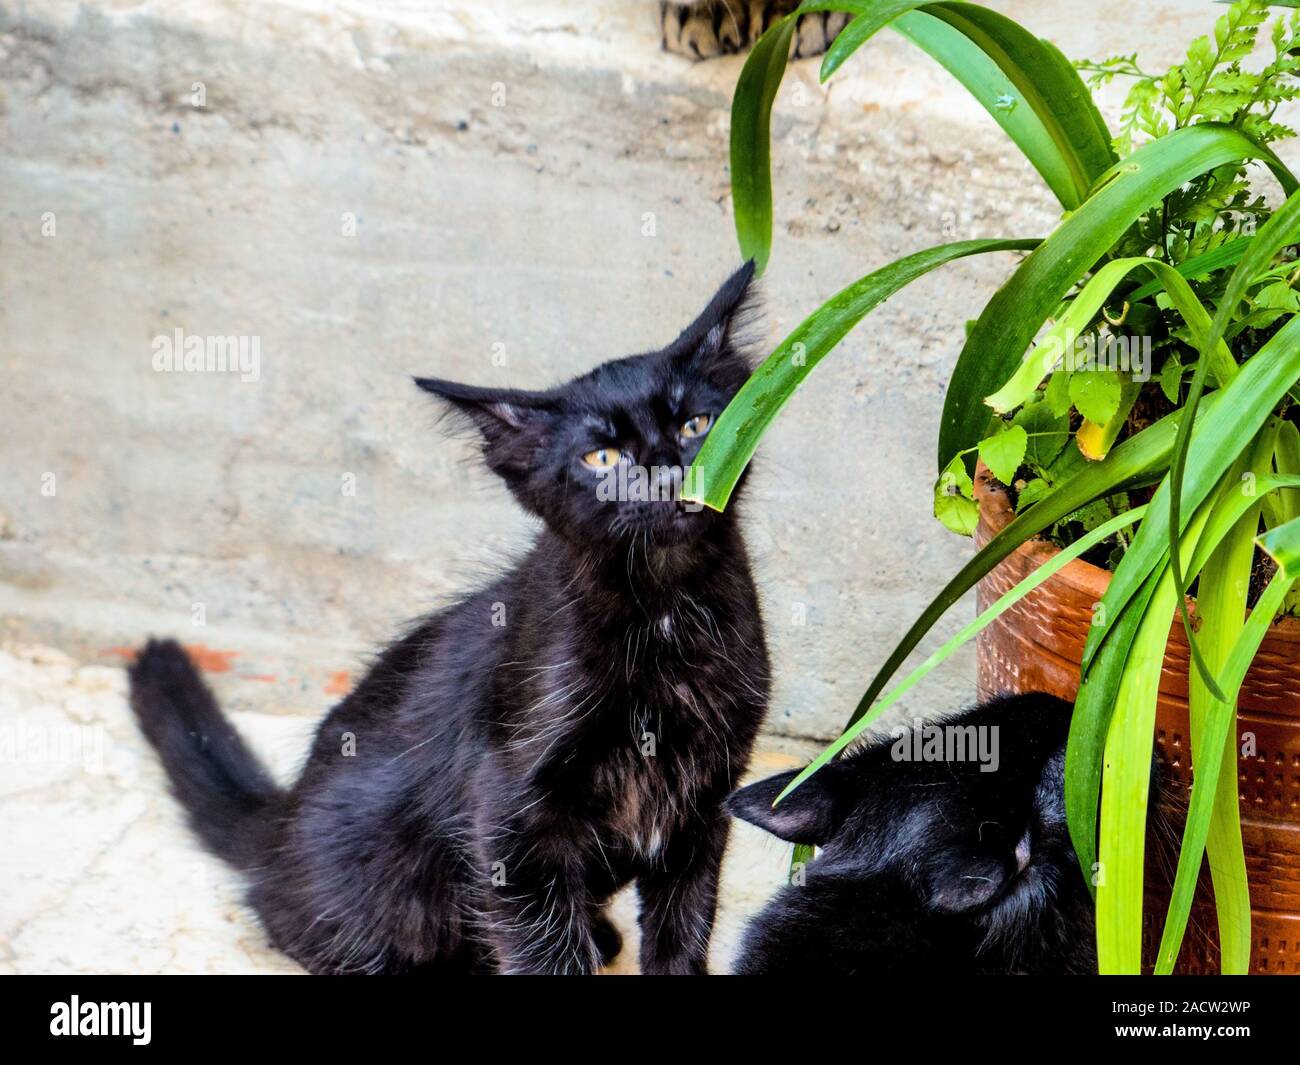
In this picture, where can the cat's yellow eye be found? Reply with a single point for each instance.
(602, 458)
(696, 426)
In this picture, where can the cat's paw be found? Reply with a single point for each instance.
(814, 33)
(608, 939)
(706, 29)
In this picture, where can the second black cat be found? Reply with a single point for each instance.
(931, 863)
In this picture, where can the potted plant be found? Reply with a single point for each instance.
(1129, 397)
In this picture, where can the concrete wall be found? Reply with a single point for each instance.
(498, 162)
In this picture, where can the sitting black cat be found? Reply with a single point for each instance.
(958, 866)
(520, 756)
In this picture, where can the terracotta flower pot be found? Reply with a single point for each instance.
(1037, 645)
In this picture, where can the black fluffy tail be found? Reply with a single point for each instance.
(218, 780)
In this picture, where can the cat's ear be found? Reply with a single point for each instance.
(492, 409)
(511, 420)
(716, 337)
(807, 815)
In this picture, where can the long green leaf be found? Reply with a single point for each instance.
(1239, 413)
(1060, 131)
(1008, 599)
(751, 123)
(1014, 315)
(1281, 229)
(1240, 410)
(1234, 906)
(1069, 144)
(1221, 608)
(1095, 702)
(1200, 265)
(1094, 706)
(1139, 460)
(1048, 82)
(1287, 458)
(981, 76)
(1233, 507)
(1126, 780)
(1084, 307)
(731, 443)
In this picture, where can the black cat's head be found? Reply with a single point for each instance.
(602, 458)
(970, 813)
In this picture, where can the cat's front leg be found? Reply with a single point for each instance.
(679, 894)
(539, 915)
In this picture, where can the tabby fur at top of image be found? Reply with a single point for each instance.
(707, 29)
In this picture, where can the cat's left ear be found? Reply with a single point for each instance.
(809, 814)
(715, 339)
(510, 419)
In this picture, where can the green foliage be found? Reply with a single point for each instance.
(1212, 84)
(1095, 394)
(954, 499)
(1140, 361)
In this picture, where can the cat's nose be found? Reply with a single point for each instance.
(669, 478)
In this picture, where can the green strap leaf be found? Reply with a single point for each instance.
(1281, 229)
(1137, 461)
(1200, 265)
(1241, 410)
(751, 121)
(1224, 841)
(999, 95)
(1221, 608)
(1057, 341)
(1126, 781)
(1049, 83)
(1095, 703)
(1016, 312)
(1060, 130)
(731, 442)
(1233, 507)
(1287, 458)
(1094, 706)
(1008, 599)
(1068, 142)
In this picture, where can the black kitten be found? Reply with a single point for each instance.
(519, 757)
(960, 865)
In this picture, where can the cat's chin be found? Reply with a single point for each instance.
(679, 525)
(667, 525)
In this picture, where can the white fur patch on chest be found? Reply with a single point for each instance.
(651, 846)
(647, 811)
